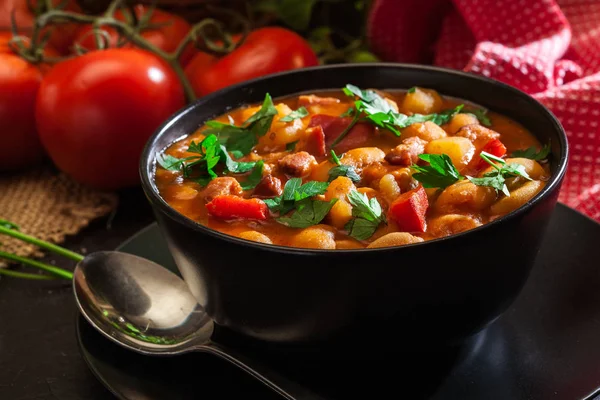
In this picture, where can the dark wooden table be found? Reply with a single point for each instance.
(39, 355)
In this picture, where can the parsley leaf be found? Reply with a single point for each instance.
(367, 216)
(480, 114)
(210, 152)
(294, 192)
(440, 172)
(342, 170)
(170, 163)
(260, 122)
(254, 177)
(497, 178)
(381, 114)
(296, 114)
(240, 140)
(532, 153)
(308, 212)
(412, 89)
(310, 189)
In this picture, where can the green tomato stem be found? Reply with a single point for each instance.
(42, 244)
(24, 275)
(38, 264)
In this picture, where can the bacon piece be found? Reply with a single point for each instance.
(225, 185)
(407, 153)
(297, 164)
(313, 142)
(334, 126)
(269, 186)
(477, 134)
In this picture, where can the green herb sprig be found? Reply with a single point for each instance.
(297, 196)
(11, 229)
(367, 215)
(380, 113)
(342, 170)
(440, 173)
(497, 178)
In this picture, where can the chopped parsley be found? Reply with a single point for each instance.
(440, 172)
(254, 177)
(412, 89)
(533, 154)
(367, 215)
(497, 178)
(308, 212)
(342, 170)
(297, 197)
(240, 140)
(209, 153)
(296, 114)
(293, 192)
(381, 114)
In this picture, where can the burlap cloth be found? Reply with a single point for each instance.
(48, 205)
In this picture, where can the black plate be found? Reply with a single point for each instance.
(546, 346)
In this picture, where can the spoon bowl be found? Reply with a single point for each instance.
(146, 308)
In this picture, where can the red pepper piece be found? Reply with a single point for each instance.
(227, 206)
(494, 147)
(408, 210)
(333, 126)
(314, 142)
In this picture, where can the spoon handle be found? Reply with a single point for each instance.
(281, 385)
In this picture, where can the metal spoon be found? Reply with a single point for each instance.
(150, 310)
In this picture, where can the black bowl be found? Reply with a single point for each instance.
(445, 289)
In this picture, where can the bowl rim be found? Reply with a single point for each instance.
(147, 161)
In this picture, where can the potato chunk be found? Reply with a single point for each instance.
(389, 187)
(459, 149)
(465, 194)
(339, 188)
(340, 214)
(255, 236)
(426, 131)
(281, 133)
(363, 156)
(315, 237)
(422, 101)
(460, 120)
(517, 198)
(394, 239)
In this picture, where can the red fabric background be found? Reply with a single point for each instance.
(549, 49)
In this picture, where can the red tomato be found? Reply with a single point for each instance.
(94, 113)
(166, 37)
(265, 51)
(61, 36)
(19, 84)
